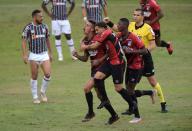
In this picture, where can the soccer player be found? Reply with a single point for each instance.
(39, 54)
(114, 66)
(146, 34)
(92, 10)
(60, 23)
(133, 48)
(152, 14)
(97, 58)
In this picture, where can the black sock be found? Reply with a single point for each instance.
(110, 109)
(136, 109)
(164, 44)
(89, 98)
(99, 84)
(126, 97)
(140, 93)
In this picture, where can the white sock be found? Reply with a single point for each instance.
(58, 47)
(45, 83)
(34, 89)
(71, 45)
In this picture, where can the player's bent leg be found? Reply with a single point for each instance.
(33, 82)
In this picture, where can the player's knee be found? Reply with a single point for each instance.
(58, 37)
(118, 88)
(86, 89)
(68, 36)
(47, 77)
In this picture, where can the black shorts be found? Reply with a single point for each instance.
(117, 71)
(148, 69)
(133, 75)
(157, 34)
(93, 71)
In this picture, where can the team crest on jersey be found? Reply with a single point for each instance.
(129, 42)
(43, 30)
(32, 31)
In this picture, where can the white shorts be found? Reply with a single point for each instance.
(60, 26)
(38, 58)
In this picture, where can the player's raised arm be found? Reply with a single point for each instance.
(82, 58)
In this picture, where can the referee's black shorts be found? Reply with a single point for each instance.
(148, 69)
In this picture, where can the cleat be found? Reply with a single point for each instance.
(112, 120)
(102, 104)
(88, 117)
(127, 112)
(73, 58)
(36, 101)
(164, 107)
(135, 120)
(153, 96)
(170, 48)
(43, 97)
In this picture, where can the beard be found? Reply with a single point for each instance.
(39, 22)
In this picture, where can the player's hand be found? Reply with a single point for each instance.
(74, 53)
(25, 59)
(106, 20)
(127, 50)
(83, 46)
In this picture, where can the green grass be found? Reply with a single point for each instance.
(67, 105)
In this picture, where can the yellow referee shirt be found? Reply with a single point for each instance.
(144, 32)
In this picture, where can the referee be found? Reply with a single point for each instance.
(35, 36)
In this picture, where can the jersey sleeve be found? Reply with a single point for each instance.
(150, 34)
(156, 6)
(104, 35)
(45, 2)
(25, 33)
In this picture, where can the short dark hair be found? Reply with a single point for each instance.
(101, 24)
(141, 10)
(92, 22)
(35, 12)
(125, 21)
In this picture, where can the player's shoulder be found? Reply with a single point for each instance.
(146, 26)
(27, 26)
